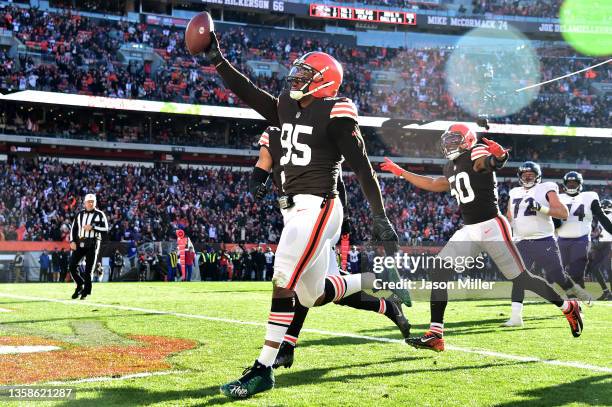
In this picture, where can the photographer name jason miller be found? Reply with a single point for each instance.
(465, 284)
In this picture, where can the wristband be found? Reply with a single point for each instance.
(544, 210)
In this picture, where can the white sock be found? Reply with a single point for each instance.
(267, 355)
(281, 315)
(565, 307)
(517, 310)
(345, 285)
(436, 328)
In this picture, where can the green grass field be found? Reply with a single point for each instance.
(345, 357)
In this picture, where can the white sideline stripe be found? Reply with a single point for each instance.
(500, 355)
(11, 350)
(5, 310)
(110, 378)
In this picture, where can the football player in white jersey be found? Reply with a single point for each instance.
(575, 231)
(531, 209)
(353, 260)
(599, 259)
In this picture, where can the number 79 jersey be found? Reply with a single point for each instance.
(527, 223)
(578, 222)
(476, 192)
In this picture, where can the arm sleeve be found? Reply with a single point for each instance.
(257, 98)
(73, 230)
(600, 216)
(351, 145)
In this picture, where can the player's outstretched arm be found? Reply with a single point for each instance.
(351, 145)
(433, 184)
(497, 158)
(601, 216)
(556, 209)
(258, 99)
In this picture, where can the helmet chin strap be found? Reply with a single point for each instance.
(299, 94)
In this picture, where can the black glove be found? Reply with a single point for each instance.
(213, 53)
(258, 183)
(384, 233)
(533, 207)
(346, 227)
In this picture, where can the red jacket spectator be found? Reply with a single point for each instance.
(189, 258)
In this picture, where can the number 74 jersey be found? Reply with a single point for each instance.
(578, 222)
(527, 223)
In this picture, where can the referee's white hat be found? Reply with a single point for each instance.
(91, 197)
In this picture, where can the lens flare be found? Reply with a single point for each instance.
(487, 66)
(586, 25)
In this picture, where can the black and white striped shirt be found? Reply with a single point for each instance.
(95, 218)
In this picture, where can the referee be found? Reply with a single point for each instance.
(88, 229)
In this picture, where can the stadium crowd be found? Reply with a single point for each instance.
(80, 55)
(523, 8)
(190, 131)
(38, 200)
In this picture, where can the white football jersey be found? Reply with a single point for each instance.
(528, 223)
(605, 236)
(353, 256)
(578, 222)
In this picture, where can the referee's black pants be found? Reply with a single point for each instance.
(90, 252)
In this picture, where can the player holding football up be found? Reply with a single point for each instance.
(575, 231)
(470, 177)
(531, 209)
(318, 130)
(270, 153)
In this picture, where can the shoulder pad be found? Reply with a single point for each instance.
(343, 107)
(479, 150)
(549, 186)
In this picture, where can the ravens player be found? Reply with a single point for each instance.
(575, 231)
(470, 177)
(318, 131)
(531, 209)
(270, 152)
(599, 260)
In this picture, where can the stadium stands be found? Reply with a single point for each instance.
(184, 130)
(76, 54)
(524, 8)
(38, 200)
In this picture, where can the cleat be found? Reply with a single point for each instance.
(76, 293)
(83, 296)
(606, 296)
(429, 341)
(255, 379)
(285, 356)
(574, 318)
(390, 274)
(580, 293)
(513, 322)
(399, 319)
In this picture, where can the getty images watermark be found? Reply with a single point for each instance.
(430, 263)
